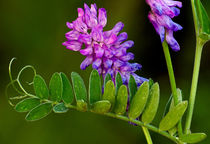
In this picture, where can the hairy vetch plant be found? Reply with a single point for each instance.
(114, 89)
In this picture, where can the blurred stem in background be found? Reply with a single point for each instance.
(172, 79)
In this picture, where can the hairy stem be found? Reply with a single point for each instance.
(172, 79)
(147, 135)
(198, 52)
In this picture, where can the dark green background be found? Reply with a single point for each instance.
(33, 31)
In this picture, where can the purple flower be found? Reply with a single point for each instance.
(105, 50)
(162, 12)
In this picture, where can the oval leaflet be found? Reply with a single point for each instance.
(56, 87)
(152, 104)
(40, 87)
(109, 92)
(173, 116)
(101, 107)
(79, 87)
(139, 101)
(121, 101)
(39, 112)
(94, 87)
(60, 108)
(67, 95)
(27, 104)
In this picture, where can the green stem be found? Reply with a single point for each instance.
(148, 126)
(170, 71)
(198, 52)
(172, 80)
(139, 123)
(147, 135)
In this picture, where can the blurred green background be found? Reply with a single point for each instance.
(33, 31)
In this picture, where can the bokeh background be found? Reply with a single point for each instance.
(33, 31)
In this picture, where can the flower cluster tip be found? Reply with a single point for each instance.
(105, 50)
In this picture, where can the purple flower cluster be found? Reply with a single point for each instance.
(105, 50)
(162, 12)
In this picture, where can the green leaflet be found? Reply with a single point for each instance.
(203, 17)
(40, 87)
(27, 104)
(109, 92)
(56, 87)
(179, 94)
(173, 130)
(81, 105)
(68, 95)
(193, 138)
(60, 108)
(173, 116)
(132, 87)
(152, 104)
(121, 101)
(151, 82)
(107, 78)
(39, 112)
(139, 101)
(170, 102)
(79, 87)
(118, 82)
(94, 87)
(168, 105)
(101, 106)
